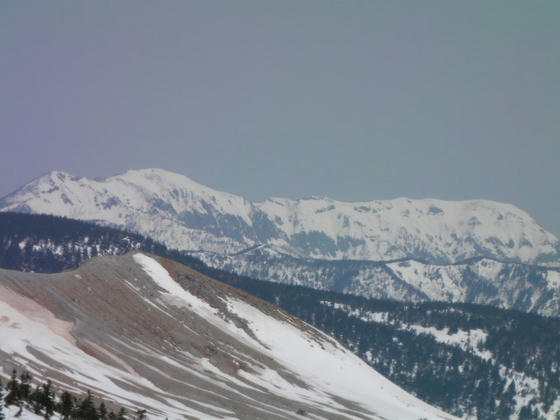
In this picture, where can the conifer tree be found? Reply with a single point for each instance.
(102, 411)
(13, 397)
(25, 385)
(47, 399)
(2, 415)
(122, 414)
(86, 410)
(35, 399)
(66, 405)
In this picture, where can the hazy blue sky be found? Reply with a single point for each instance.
(356, 100)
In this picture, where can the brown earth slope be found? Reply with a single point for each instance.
(148, 332)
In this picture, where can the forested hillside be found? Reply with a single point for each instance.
(468, 359)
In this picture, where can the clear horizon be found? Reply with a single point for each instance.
(357, 102)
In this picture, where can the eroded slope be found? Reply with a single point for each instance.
(152, 333)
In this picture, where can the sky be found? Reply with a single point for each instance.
(354, 100)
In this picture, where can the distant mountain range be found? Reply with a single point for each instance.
(468, 251)
(185, 215)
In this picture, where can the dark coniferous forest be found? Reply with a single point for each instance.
(467, 359)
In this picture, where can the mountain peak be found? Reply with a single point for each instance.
(60, 174)
(187, 215)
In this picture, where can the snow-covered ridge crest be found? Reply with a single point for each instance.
(183, 214)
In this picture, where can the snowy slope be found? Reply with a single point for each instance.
(152, 333)
(185, 215)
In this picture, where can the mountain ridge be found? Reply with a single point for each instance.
(146, 331)
(44, 243)
(187, 215)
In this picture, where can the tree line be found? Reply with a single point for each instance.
(43, 400)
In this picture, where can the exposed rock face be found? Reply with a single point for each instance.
(188, 216)
(148, 332)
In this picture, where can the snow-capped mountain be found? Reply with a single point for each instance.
(185, 215)
(147, 332)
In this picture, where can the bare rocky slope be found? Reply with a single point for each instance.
(149, 332)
